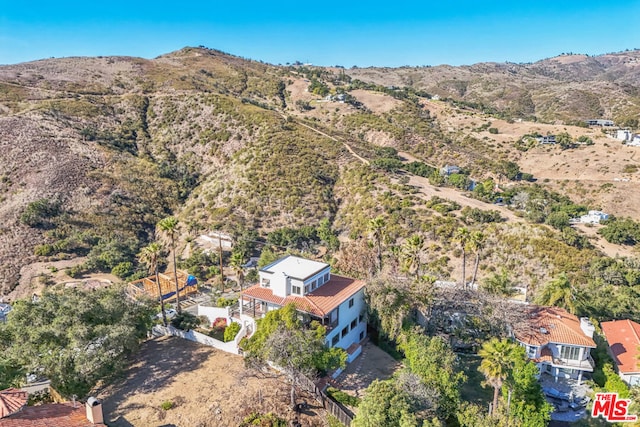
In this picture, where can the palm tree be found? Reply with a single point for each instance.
(463, 237)
(149, 256)
(559, 292)
(236, 261)
(476, 244)
(411, 252)
(498, 358)
(376, 228)
(499, 284)
(168, 227)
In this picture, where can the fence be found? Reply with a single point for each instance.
(229, 347)
(343, 415)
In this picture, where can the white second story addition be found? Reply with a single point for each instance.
(294, 276)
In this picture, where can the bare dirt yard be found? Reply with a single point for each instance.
(205, 388)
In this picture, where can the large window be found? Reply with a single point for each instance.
(266, 283)
(531, 351)
(296, 290)
(570, 353)
(335, 340)
(354, 323)
(351, 303)
(345, 331)
(326, 277)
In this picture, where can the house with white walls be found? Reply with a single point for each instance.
(336, 302)
(558, 342)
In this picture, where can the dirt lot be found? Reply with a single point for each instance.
(206, 387)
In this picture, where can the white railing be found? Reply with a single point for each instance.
(191, 335)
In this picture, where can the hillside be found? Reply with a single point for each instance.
(97, 150)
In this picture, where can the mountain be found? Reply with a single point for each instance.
(96, 150)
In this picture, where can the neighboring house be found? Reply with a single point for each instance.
(634, 142)
(594, 217)
(558, 342)
(68, 414)
(335, 301)
(599, 122)
(450, 169)
(148, 288)
(547, 139)
(624, 135)
(623, 337)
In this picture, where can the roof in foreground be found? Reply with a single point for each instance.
(553, 325)
(296, 267)
(319, 302)
(12, 400)
(50, 415)
(623, 337)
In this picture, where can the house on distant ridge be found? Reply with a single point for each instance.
(546, 139)
(558, 342)
(336, 302)
(594, 217)
(623, 337)
(449, 169)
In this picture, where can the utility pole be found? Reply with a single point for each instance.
(221, 265)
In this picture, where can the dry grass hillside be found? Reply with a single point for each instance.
(96, 150)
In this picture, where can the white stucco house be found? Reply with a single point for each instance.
(337, 302)
(558, 342)
(623, 337)
(594, 217)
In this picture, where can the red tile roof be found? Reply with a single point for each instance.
(553, 325)
(12, 400)
(546, 355)
(623, 337)
(319, 303)
(49, 415)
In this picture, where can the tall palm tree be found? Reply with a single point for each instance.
(559, 292)
(236, 261)
(376, 228)
(476, 244)
(149, 256)
(411, 254)
(498, 359)
(169, 226)
(462, 236)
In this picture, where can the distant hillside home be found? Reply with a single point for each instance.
(450, 169)
(599, 122)
(624, 135)
(335, 301)
(4, 311)
(594, 217)
(623, 337)
(634, 142)
(547, 139)
(558, 342)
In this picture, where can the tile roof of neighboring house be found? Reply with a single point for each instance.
(623, 337)
(12, 400)
(50, 415)
(320, 302)
(553, 325)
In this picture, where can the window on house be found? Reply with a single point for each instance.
(361, 318)
(296, 290)
(345, 331)
(570, 353)
(313, 285)
(361, 335)
(306, 289)
(531, 351)
(335, 340)
(326, 277)
(351, 303)
(354, 323)
(266, 283)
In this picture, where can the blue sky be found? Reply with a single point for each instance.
(331, 32)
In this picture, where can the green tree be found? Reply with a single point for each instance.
(558, 220)
(76, 338)
(385, 404)
(236, 262)
(564, 140)
(376, 228)
(412, 254)
(621, 231)
(463, 238)
(497, 361)
(168, 226)
(559, 292)
(298, 351)
(149, 256)
(499, 284)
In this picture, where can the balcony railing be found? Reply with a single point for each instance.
(587, 364)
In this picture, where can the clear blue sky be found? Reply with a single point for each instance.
(329, 32)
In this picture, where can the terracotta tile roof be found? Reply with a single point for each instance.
(553, 325)
(49, 415)
(319, 303)
(12, 400)
(623, 337)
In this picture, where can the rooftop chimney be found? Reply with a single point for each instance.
(587, 327)
(94, 411)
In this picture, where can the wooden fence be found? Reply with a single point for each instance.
(343, 415)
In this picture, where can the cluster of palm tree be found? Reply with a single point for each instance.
(150, 256)
(469, 241)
